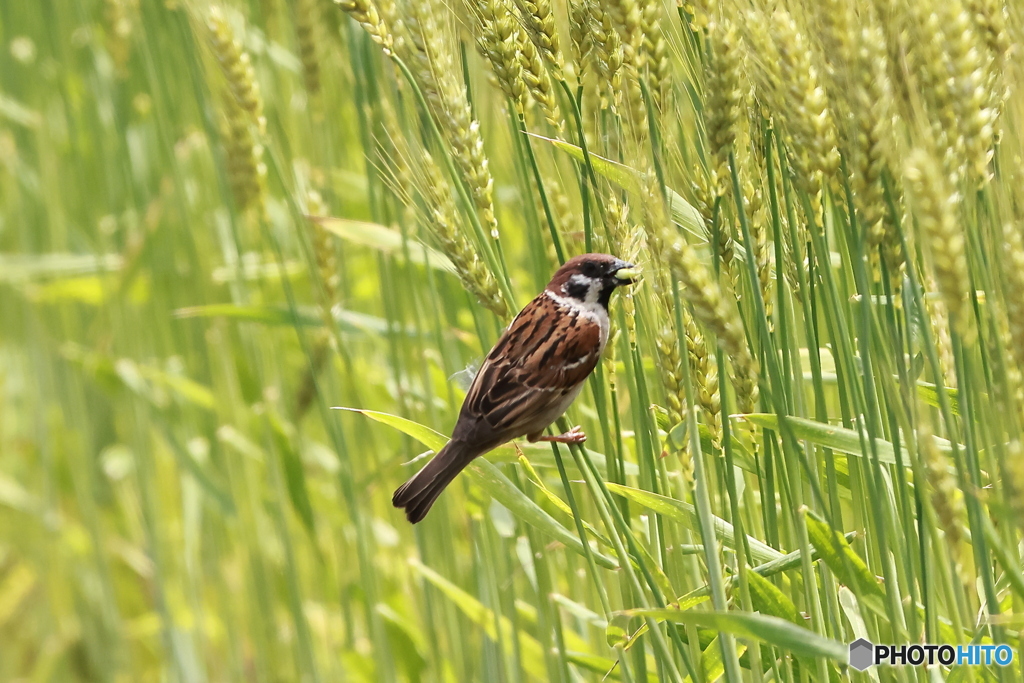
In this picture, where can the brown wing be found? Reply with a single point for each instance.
(545, 353)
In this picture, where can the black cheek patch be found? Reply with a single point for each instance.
(577, 290)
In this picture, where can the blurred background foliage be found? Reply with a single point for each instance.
(219, 222)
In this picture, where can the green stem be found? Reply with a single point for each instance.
(578, 120)
(555, 238)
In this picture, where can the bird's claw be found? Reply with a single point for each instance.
(573, 436)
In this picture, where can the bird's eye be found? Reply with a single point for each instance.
(590, 269)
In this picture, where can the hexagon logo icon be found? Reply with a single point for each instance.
(862, 654)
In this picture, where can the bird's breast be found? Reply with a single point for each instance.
(586, 317)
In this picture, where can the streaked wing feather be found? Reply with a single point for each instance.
(520, 378)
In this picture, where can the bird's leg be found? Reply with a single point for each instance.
(574, 435)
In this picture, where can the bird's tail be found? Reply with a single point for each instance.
(419, 493)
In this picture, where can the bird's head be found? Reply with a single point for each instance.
(591, 278)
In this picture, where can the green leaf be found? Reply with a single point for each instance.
(836, 552)
(531, 652)
(307, 316)
(766, 598)
(616, 633)
(17, 497)
(830, 436)
(1004, 557)
(711, 664)
(686, 514)
(575, 645)
(786, 562)
(558, 503)
(383, 239)
(929, 393)
(23, 268)
(677, 436)
(92, 290)
(769, 601)
(659, 575)
(263, 270)
(425, 435)
(505, 492)
(136, 378)
(193, 392)
(578, 611)
(406, 641)
(188, 463)
(742, 456)
(268, 315)
(495, 483)
(16, 112)
(606, 668)
(140, 378)
(294, 474)
(786, 636)
(538, 453)
(683, 213)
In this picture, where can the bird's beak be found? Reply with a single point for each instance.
(627, 274)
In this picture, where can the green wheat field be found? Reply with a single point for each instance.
(251, 253)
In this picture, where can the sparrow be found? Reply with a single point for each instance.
(530, 377)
